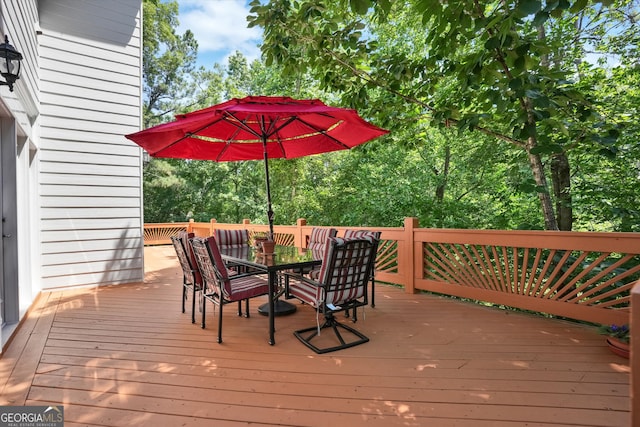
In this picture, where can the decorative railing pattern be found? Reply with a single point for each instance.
(579, 275)
(583, 276)
(387, 258)
(599, 280)
(160, 234)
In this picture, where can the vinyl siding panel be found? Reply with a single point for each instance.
(94, 212)
(86, 190)
(87, 102)
(77, 247)
(108, 22)
(118, 275)
(72, 68)
(90, 175)
(82, 83)
(90, 148)
(64, 224)
(110, 130)
(87, 240)
(55, 134)
(89, 158)
(88, 169)
(89, 180)
(94, 256)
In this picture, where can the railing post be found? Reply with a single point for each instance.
(211, 226)
(409, 255)
(298, 241)
(634, 358)
(190, 225)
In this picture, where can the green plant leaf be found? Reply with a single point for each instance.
(529, 7)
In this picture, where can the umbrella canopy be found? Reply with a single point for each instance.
(255, 128)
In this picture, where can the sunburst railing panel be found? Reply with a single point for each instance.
(553, 281)
(160, 234)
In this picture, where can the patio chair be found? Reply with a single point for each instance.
(232, 240)
(349, 234)
(191, 278)
(218, 286)
(317, 243)
(342, 285)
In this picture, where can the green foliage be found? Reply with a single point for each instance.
(466, 126)
(621, 332)
(504, 69)
(168, 58)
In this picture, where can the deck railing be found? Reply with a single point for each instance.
(579, 275)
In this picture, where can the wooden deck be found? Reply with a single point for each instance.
(126, 356)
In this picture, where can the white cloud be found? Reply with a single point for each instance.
(220, 27)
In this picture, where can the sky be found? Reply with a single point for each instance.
(220, 27)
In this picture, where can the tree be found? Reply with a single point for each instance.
(507, 69)
(168, 59)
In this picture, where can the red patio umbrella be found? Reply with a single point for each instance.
(255, 128)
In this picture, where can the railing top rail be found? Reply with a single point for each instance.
(564, 240)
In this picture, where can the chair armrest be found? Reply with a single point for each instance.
(301, 277)
(304, 289)
(246, 274)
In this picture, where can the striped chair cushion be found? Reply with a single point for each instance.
(219, 265)
(357, 234)
(204, 261)
(186, 244)
(231, 238)
(319, 236)
(248, 287)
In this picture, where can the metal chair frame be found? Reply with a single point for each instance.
(219, 286)
(344, 277)
(191, 278)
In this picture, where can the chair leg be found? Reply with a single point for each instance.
(373, 292)
(204, 310)
(240, 308)
(184, 294)
(193, 305)
(248, 313)
(220, 324)
(330, 322)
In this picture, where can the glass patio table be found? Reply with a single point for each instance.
(283, 258)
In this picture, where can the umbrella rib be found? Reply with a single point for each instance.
(323, 132)
(277, 129)
(186, 135)
(240, 124)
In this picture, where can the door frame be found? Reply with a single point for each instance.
(8, 208)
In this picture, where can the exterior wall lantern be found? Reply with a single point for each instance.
(9, 63)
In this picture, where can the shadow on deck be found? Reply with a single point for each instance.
(125, 355)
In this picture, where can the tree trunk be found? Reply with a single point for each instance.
(445, 175)
(561, 178)
(541, 181)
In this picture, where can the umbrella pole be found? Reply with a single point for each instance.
(277, 306)
(266, 173)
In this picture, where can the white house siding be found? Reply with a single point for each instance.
(90, 176)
